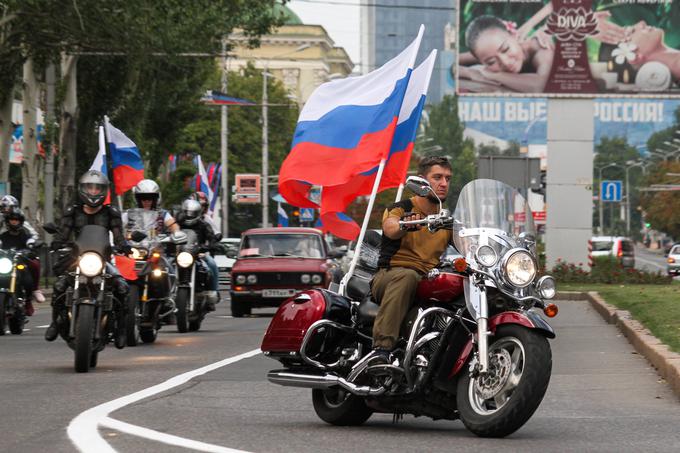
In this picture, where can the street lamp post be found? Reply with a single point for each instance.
(223, 146)
(599, 171)
(630, 164)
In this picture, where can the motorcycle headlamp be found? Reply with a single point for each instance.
(5, 265)
(251, 279)
(90, 264)
(185, 259)
(316, 279)
(138, 254)
(486, 256)
(240, 279)
(157, 272)
(305, 279)
(519, 268)
(546, 287)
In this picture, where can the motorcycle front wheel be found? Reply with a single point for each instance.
(339, 407)
(182, 305)
(498, 404)
(83, 341)
(131, 319)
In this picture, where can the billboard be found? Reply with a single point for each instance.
(580, 48)
(247, 189)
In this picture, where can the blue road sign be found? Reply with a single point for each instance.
(306, 215)
(611, 190)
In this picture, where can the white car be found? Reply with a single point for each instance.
(226, 261)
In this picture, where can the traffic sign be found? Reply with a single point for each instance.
(611, 190)
(307, 215)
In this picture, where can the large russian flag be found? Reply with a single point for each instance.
(126, 160)
(335, 199)
(346, 128)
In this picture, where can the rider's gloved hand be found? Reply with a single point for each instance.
(409, 216)
(126, 249)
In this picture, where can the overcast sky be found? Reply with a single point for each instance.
(340, 21)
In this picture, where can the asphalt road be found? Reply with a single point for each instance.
(649, 260)
(602, 397)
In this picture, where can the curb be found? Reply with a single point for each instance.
(666, 362)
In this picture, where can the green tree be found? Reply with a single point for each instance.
(662, 209)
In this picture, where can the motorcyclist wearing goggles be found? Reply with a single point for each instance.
(93, 188)
(406, 255)
(148, 196)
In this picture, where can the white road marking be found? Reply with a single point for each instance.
(42, 327)
(83, 430)
(224, 316)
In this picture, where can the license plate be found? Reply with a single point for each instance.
(277, 292)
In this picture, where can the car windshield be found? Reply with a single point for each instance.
(299, 245)
(675, 250)
(602, 246)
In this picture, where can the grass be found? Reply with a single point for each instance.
(657, 307)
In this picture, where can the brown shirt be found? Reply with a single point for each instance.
(417, 250)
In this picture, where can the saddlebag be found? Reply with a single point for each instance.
(287, 329)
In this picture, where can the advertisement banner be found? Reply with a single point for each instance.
(569, 47)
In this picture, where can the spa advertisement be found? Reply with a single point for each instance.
(569, 47)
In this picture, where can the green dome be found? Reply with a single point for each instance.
(289, 17)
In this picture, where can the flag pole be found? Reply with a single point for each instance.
(109, 166)
(400, 191)
(364, 227)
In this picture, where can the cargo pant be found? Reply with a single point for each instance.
(394, 289)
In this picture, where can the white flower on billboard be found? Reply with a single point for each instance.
(624, 52)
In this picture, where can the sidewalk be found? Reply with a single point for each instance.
(666, 362)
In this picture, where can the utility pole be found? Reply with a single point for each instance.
(265, 152)
(223, 146)
(49, 156)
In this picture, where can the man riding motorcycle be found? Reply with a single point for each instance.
(406, 255)
(7, 204)
(18, 237)
(148, 196)
(93, 187)
(202, 198)
(191, 219)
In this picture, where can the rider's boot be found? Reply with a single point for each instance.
(52, 331)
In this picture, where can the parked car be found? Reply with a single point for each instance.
(618, 247)
(673, 261)
(275, 263)
(225, 261)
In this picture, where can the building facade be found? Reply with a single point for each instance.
(389, 26)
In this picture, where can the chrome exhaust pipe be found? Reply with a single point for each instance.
(320, 381)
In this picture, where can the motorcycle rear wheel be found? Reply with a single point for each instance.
(182, 305)
(148, 335)
(497, 406)
(131, 319)
(340, 408)
(83, 341)
(3, 318)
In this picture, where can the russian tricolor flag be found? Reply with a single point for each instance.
(213, 97)
(336, 199)
(345, 129)
(126, 160)
(99, 162)
(202, 181)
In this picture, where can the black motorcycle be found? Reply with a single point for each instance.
(193, 280)
(13, 296)
(150, 299)
(89, 322)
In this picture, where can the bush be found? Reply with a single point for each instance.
(606, 270)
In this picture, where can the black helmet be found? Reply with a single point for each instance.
(93, 187)
(191, 210)
(8, 203)
(15, 214)
(149, 190)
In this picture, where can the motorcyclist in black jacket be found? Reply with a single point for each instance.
(190, 218)
(93, 187)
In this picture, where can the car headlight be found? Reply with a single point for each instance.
(240, 279)
(251, 279)
(5, 265)
(486, 256)
(546, 287)
(185, 259)
(316, 279)
(519, 268)
(91, 264)
(305, 278)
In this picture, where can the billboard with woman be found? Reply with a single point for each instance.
(569, 47)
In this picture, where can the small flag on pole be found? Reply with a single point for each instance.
(212, 97)
(283, 216)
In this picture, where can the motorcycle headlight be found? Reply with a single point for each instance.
(519, 268)
(138, 254)
(252, 279)
(240, 279)
(316, 279)
(305, 279)
(486, 256)
(185, 259)
(90, 264)
(5, 265)
(546, 287)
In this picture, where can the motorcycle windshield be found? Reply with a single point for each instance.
(144, 221)
(94, 238)
(490, 209)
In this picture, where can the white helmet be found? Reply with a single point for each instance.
(191, 210)
(147, 189)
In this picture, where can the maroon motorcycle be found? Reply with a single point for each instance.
(473, 347)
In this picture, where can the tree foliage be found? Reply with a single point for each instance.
(662, 209)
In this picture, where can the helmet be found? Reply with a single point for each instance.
(93, 187)
(15, 214)
(147, 189)
(191, 210)
(202, 198)
(8, 203)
